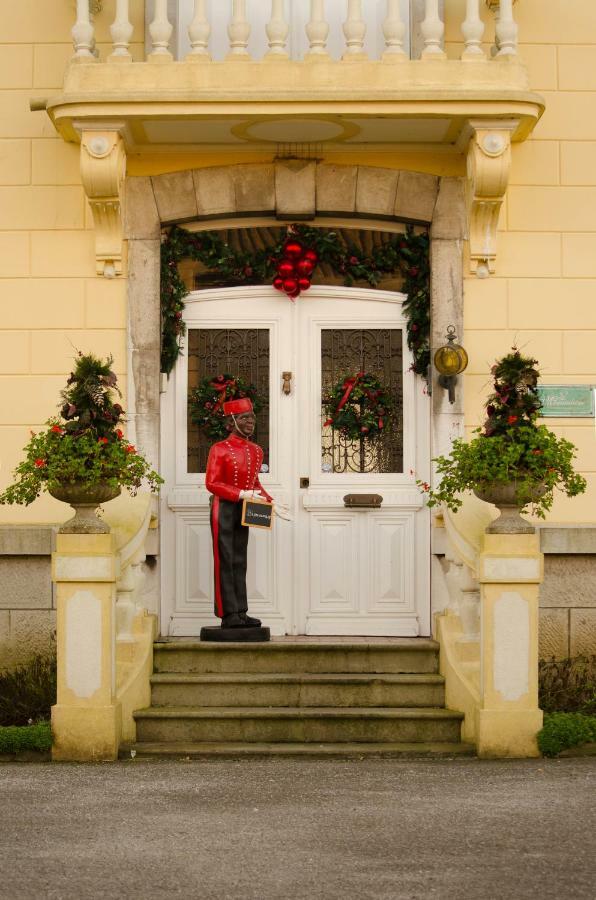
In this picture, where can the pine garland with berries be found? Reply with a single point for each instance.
(514, 402)
(407, 253)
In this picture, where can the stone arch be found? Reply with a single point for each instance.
(291, 190)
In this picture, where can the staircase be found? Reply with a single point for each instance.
(298, 697)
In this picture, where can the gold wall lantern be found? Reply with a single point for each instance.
(450, 361)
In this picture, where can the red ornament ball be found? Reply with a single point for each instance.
(305, 267)
(293, 250)
(286, 269)
(304, 284)
(312, 256)
(290, 285)
(278, 283)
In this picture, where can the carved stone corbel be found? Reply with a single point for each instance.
(488, 146)
(103, 167)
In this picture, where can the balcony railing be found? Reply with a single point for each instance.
(317, 30)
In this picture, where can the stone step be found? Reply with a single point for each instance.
(298, 725)
(397, 656)
(237, 750)
(302, 690)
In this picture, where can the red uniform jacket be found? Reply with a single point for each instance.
(233, 466)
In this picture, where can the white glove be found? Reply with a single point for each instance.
(283, 511)
(251, 495)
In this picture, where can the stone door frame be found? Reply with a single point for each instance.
(296, 190)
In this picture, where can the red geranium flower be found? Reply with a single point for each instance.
(131, 449)
(56, 429)
(120, 434)
(103, 440)
(39, 463)
(512, 420)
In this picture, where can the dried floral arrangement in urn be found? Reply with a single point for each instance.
(512, 462)
(82, 456)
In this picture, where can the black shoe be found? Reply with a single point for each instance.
(248, 621)
(232, 621)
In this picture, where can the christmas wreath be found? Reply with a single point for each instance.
(304, 247)
(359, 407)
(207, 400)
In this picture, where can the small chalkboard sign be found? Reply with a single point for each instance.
(257, 513)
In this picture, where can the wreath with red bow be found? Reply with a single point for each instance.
(359, 407)
(207, 400)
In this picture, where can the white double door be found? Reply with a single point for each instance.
(332, 569)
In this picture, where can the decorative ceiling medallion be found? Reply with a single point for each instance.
(292, 129)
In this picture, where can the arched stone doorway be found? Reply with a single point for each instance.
(235, 196)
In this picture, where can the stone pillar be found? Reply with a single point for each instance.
(86, 721)
(510, 573)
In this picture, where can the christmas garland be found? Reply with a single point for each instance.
(358, 407)
(407, 253)
(206, 402)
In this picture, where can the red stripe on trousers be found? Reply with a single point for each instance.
(215, 525)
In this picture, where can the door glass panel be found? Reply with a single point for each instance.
(378, 351)
(240, 352)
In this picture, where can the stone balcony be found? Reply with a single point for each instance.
(475, 106)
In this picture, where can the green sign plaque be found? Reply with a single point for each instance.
(567, 401)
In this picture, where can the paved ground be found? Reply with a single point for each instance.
(299, 829)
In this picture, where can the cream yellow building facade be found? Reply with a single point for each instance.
(87, 143)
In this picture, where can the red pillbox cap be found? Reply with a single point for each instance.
(235, 407)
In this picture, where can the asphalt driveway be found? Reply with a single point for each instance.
(299, 829)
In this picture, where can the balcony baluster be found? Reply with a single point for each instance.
(83, 33)
(277, 31)
(239, 32)
(472, 30)
(355, 31)
(433, 30)
(317, 31)
(161, 32)
(394, 31)
(121, 31)
(199, 32)
(506, 30)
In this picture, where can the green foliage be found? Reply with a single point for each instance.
(406, 253)
(529, 456)
(85, 445)
(365, 408)
(563, 730)
(36, 738)
(206, 402)
(54, 457)
(568, 685)
(511, 449)
(28, 692)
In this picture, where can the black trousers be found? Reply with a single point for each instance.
(230, 544)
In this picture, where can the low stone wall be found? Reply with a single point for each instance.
(27, 610)
(568, 595)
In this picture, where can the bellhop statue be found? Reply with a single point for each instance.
(232, 476)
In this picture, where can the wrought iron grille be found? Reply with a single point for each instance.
(345, 351)
(244, 353)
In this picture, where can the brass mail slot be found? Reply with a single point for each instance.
(363, 501)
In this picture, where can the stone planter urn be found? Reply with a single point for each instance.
(506, 498)
(84, 499)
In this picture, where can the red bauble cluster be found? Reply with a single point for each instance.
(295, 268)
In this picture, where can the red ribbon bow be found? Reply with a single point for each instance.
(222, 387)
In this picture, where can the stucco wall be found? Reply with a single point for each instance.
(542, 297)
(51, 302)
